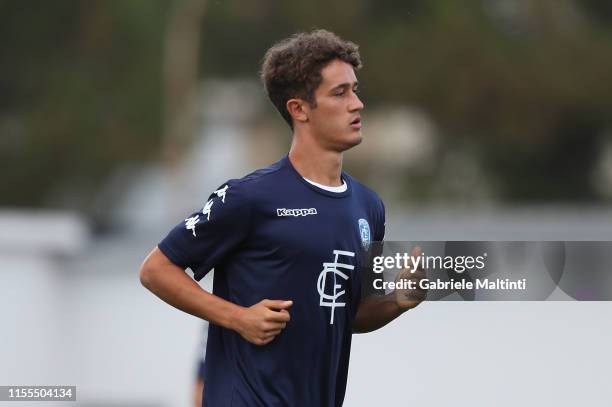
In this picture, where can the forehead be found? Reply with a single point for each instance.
(337, 72)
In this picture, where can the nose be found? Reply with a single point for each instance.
(356, 103)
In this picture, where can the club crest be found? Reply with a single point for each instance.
(364, 232)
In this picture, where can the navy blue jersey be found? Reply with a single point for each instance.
(272, 235)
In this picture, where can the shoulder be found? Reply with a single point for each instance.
(261, 176)
(366, 193)
(374, 206)
(248, 186)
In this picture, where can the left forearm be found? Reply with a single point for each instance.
(375, 312)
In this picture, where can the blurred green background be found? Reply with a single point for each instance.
(519, 91)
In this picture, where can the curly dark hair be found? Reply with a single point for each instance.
(292, 67)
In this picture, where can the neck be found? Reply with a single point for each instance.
(315, 163)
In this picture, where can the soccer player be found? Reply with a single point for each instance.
(284, 242)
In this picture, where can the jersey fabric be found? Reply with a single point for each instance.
(272, 235)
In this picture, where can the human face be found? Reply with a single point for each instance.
(335, 122)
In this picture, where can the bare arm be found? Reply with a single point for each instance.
(258, 324)
(375, 312)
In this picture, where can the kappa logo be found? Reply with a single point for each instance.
(207, 208)
(221, 193)
(191, 223)
(296, 212)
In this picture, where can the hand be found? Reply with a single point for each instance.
(406, 298)
(260, 323)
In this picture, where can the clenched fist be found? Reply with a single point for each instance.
(408, 298)
(260, 323)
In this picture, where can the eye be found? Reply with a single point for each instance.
(339, 93)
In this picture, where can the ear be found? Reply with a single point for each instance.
(298, 109)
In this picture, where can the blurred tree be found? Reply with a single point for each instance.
(80, 94)
(181, 51)
(522, 84)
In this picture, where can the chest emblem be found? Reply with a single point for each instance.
(364, 232)
(329, 287)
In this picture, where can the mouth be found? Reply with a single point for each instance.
(356, 123)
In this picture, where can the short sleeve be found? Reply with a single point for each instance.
(379, 234)
(206, 237)
(368, 276)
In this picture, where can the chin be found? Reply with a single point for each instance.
(356, 137)
(353, 140)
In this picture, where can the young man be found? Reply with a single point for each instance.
(284, 242)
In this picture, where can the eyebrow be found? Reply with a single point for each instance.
(345, 85)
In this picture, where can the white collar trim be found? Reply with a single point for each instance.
(337, 189)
